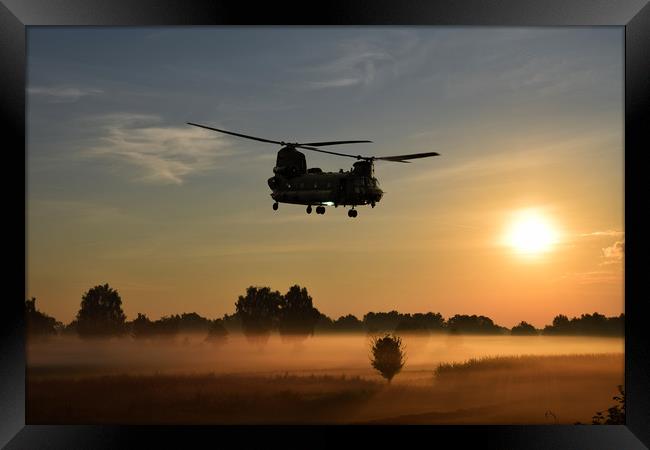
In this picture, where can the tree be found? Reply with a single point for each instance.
(232, 323)
(217, 332)
(616, 325)
(142, 327)
(388, 356)
(38, 323)
(560, 321)
(381, 321)
(167, 326)
(259, 310)
(347, 323)
(324, 323)
(615, 414)
(523, 329)
(420, 323)
(587, 324)
(193, 323)
(297, 315)
(100, 313)
(70, 329)
(560, 325)
(472, 324)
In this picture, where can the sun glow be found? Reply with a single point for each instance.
(530, 233)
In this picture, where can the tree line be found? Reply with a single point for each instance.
(262, 311)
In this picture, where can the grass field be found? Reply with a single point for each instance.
(534, 389)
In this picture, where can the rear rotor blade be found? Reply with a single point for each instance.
(236, 134)
(397, 158)
(404, 158)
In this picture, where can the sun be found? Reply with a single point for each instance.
(530, 233)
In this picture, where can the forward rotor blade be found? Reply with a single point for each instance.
(323, 144)
(404, 158)
(312, 146)
(236, 134)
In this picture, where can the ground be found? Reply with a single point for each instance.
(534, 389)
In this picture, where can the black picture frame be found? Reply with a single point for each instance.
(634, 15)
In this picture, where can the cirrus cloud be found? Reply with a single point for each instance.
(614, 233)
(63, 94)
(159, 152)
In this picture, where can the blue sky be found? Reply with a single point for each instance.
(121, 190)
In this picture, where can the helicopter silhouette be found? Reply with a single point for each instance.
(294, 183)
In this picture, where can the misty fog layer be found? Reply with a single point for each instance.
(339, 354)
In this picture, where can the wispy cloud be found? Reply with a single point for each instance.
(63, 94)
(613, 233)
(595, 277)
(365, 61)
(161, 153)
(425, 134)
(350, 69)
(614, 253)
(505, 69)
(334, 83)
(484, 166)
(520, 155)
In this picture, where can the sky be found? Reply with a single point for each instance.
(528, 123)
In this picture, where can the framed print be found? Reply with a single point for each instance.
(271, 222)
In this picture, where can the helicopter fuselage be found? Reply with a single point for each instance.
(294, 183)
(326, 188)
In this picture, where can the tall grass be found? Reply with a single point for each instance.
(505, 363)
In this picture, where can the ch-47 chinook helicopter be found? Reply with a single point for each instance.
(294, 183)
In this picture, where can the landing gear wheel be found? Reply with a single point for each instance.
(275, 206)
(372, 204)
(320, 210)
(309, 209)
(352, 213)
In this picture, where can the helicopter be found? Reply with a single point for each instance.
(294, 183)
